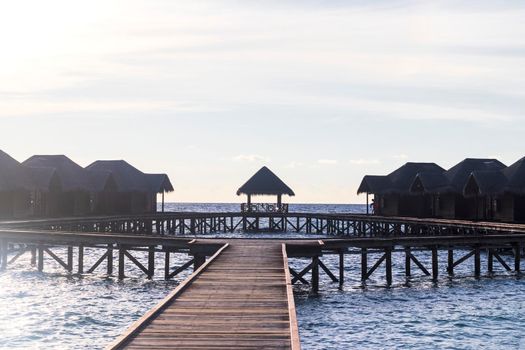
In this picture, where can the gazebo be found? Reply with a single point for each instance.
(264, 182)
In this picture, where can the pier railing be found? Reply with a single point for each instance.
(264, 208)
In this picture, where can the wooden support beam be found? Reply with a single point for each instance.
(315, 274)
(110, 259)
(167, 265)
(463, 258)
(151, 262)
(98, 262)
(40, 263)
(298, 277)
(376, 265)
(33, 255)
(57, 259)
(435, 269)
(477, 262)
(81, 259)
(327, 271)
(408, 259)
(501, 261)
(136, 262)
(388, 265)
(180, 269)
(70, 259)
(490, 261)
(450, 262)
(364, 265)
(517, 257)
(15, 258)
(121, 262)
(341, 268)
(3, 254)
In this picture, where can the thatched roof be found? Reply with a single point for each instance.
(398, 181)
(374, 184)
(130, 179)
(159, 183)
(508, 180)
(73, 177)
(429, 182)
(44, 179)
(265, 182)
(12, 175)
(458, 175)
(6, 161)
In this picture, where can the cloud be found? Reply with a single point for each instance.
(400, 156)
(250, 158)
(364, 161)
(327, 161)
(294, 164)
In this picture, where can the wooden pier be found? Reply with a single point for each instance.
(241, 298)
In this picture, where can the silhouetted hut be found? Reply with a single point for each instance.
(503, 190)
(79, 187)
(392, 192)
(137, 191)
(265, 182)
(447, 187)
(26, 191)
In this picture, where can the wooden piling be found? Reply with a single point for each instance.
(151, 262)
(341, 268)
(315, 274)
(435, 269)
(121, 262)
(408, 261)
(364, 264)
(40, 264)
(110, 259)
(477, 262)
(388, 265)
(517, 257)
(81, 259)
(450, 262)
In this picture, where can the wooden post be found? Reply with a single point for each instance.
(367, 206)
(435, 270)
(167, 265)
(163, 201)
(517, 257)
(69, 259)
(33, 255)
(121, 262)
(315, 274)
(450, 264)
(364, 264)
(80, 259)
(110, 259)
(151, 262)
(40, 264)
(477, 262)
(3, 253)
(388, 265)
(490, 261)
(408, 261)
(341, 268)
(198, 261)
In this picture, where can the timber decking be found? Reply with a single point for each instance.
(240, 298)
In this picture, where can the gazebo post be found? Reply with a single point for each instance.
(279, 200)
(163, 201)
(367, 207)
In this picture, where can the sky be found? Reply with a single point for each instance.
(322, 92)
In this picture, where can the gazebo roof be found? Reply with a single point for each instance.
(265, 182)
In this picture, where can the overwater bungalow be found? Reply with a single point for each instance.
(391, 192)
(265, 182)
(80, 189)
(502, 190)
(26, 191)
(137, 191)
(445, 188)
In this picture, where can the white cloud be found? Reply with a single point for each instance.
(364, 161)
(294, 164)
(250, 158)
(327, 161)
(400, 156)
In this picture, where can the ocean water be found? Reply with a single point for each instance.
(56, 310)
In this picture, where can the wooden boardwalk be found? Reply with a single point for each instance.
(241, 298)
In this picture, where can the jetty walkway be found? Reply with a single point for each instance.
(240, 298)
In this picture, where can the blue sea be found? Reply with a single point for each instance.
(56, 310)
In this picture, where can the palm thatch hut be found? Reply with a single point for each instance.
(137, 191)
(447, 189)
(503, 190)
(79, 187)
(265, 182)
(26, 191)
(392, 192)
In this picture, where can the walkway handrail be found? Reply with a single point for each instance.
(294, 328)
